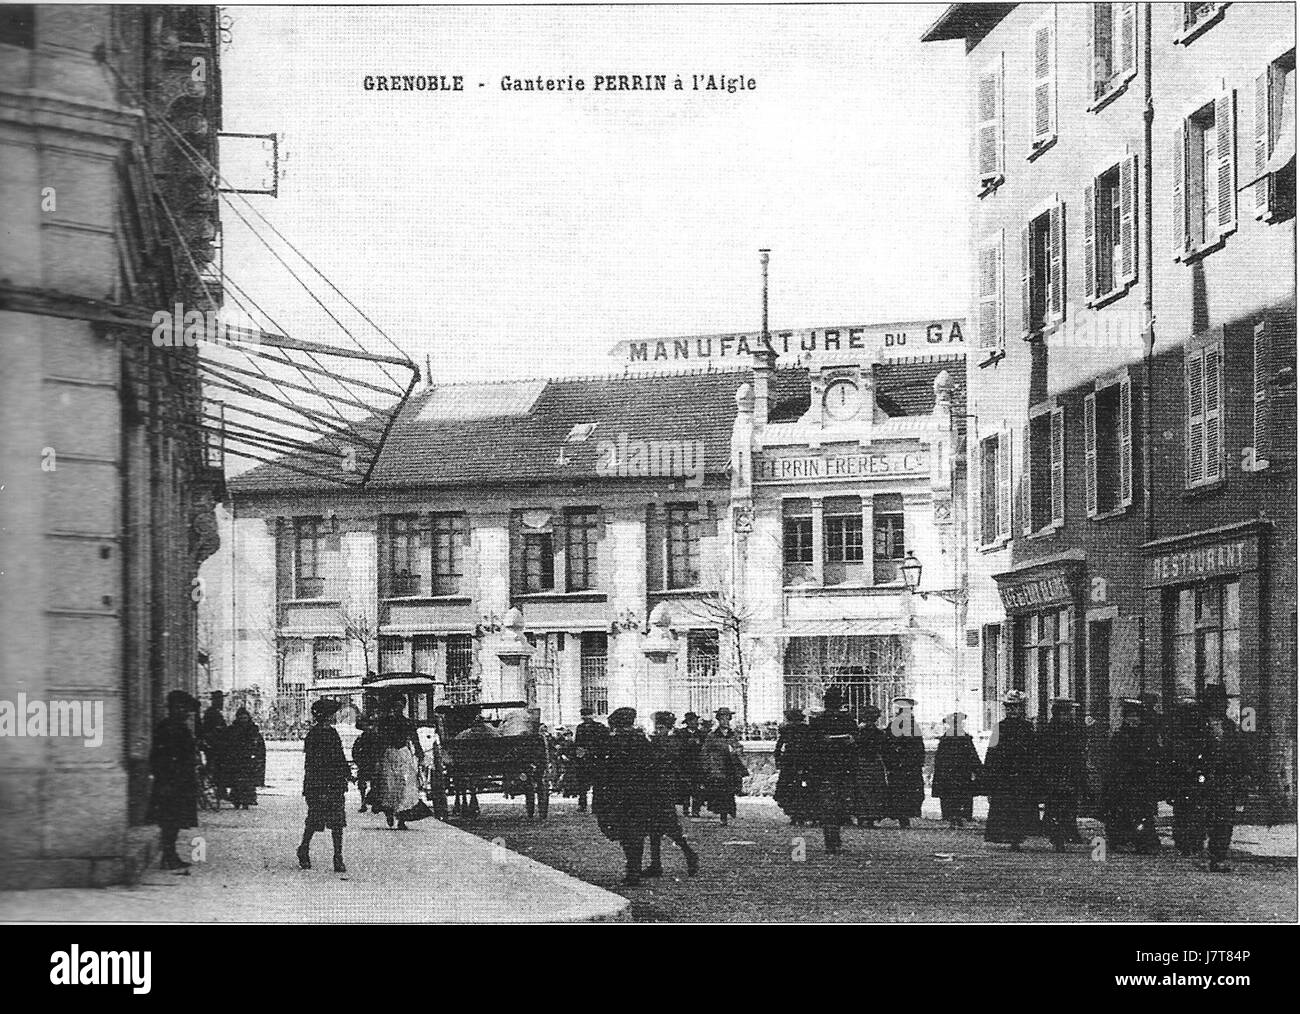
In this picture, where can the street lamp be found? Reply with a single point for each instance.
(911, 569)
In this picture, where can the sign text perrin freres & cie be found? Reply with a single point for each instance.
(880, 465)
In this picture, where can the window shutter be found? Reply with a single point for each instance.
(1025, 275)
(1213, 414)
(989, 130)
(1179, 217)
(1225, 109)
(1126, 442)
(1090, 241)
(1090, 454)
(284, 558)
(1026, 485)
(1045, 82)
(1195, 367)
(1263, 147)
(1263, 361)
(1056, 240)
(990, 296)
(1128, 217)
(1004, 484)
(1127, 61)
(1058, 466)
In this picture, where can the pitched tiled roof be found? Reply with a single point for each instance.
(444, 436)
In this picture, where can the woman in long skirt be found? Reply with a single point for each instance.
(793, 791)
(957, 771)
(245, 760)
(397, 794)
(870, 783)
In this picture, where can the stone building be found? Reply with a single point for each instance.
(1133, 494)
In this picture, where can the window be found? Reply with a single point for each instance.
(842, 529)
(1110, 236)
(18, 25)
(995, 488)
(683, 545)
(1204, 175)
(392, 654)
(889, 535)
(1112, 43)
(1197, 18)
(309, 537)
(448, 553)
(1045, 656)
(1042, 279)
(1263, 377)
(1044, 125)
(327, 658)
(539, 562)
(462, 688)
(798, 532)
(424, 654)
(1043, 481)
(994, 669)
(1108, 447)
(702, 654)
(992, 308)
(401, 534)
(1203, 367)
(1207, 637)
(580, 529)
(989, 132)
(1274, 193)
(593, 671)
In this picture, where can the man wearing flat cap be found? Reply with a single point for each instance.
(1131, 791)
(664, 779)
(325, 778)
(1210, 778)
(723, 766)
(589, 742)
(690, 796)
(173, 804)
(1012, 774)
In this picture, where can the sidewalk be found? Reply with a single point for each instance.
(433, 873)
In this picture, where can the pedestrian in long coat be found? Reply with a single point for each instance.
(245, 760)
(870, 780)
(957, 772)
(1212, 774)
(365, 755)
(212, 741)
(590, 739)
(689, 794)
(1011, 770)
(624, 798)
(664, 775)
(1065, 774)
(325, 777)
(831, 735)
(173, 803)
(793, 791)
(722, 766)
(905, 763)
(1131, 791)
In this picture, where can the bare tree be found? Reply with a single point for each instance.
(362, 626)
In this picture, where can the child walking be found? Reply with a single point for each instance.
(326, 774)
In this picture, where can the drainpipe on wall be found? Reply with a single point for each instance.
(1148, 316)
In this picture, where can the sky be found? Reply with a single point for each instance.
(511, 234)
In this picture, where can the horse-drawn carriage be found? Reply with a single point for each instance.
(507, 754)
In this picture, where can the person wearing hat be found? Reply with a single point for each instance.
(589, 742)
(723, 767)
(400, 753)
(870, 779)
(212, 741)
(691, 738)
(325, 778)
(623, 799)
(174, 801)
(245, 759)
(904, 763)
(365, 756)
(957, 770)
(793, 786)
(1211, 779)
(1130, 794)
(1065, 774)
(1012, 767)
(664, 776)
(831, 736)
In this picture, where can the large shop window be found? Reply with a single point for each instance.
(1206, 637)
(309, 538)
(683, 545)
(995, 489)
(1203, 366)
(1043, 478)
(1043, 669)
(1274, 196)
(1108, 447)
(1112, 50)
(1205, 177)
(581, 526)
(1042, 272)
(871, 669)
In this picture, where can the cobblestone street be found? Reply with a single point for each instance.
(924, 874)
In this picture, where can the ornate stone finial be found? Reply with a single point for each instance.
(943, 387)
(745, 398)
(661, 642)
